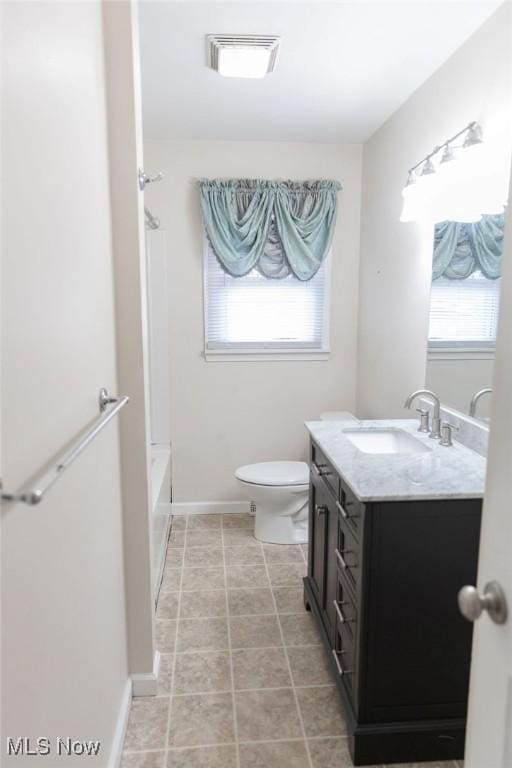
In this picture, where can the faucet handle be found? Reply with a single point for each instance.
(424, 420)
(446, 433)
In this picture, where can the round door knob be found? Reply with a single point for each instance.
(472, 604)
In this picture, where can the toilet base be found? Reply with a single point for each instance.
(272, 529)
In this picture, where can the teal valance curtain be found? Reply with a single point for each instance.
(461, 249)
(277, 227)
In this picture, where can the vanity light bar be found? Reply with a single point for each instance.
(473, 136)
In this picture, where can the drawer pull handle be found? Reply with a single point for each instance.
(341, 559)
(318, 469)
(341, 618)
(340, 669)
(342, 511)
(320, 509)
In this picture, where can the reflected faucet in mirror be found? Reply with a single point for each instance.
(435, 432)
(476, 397)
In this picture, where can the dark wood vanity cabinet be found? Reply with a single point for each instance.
(382, 583)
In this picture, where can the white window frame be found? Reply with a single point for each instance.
(261, 354)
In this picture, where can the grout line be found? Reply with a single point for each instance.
(242, 690)
(232, 674)
(301, 721)
(168, 730)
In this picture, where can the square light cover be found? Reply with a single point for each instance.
(247, 56)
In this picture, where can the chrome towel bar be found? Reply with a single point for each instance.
(42, 483)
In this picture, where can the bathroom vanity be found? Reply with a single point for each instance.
(393, 536)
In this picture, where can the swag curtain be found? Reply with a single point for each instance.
(461, 249)
(277, 227)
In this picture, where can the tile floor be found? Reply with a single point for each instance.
(244, 681)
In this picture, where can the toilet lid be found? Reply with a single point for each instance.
(275, 473)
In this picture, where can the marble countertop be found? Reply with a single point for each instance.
(456, 472)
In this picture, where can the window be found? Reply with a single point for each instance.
(258, 315)
(464, 313)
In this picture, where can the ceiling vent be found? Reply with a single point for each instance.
(252, 56)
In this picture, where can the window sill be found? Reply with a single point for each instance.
(264, 355)
(460, 353)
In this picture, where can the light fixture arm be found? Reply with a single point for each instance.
(470, 126)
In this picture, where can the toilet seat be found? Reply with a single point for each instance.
(275, 473)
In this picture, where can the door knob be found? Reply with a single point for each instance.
(472, 605)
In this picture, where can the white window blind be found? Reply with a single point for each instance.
(259, 314)
(464, 313)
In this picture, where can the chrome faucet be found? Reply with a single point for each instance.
(435, 432)
(476, 397)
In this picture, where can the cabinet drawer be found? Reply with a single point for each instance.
(344, 658)
(350, 508)
(347, 554)
(322, 467)
(344, 607)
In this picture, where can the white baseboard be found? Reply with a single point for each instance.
(146, 683)
(116, 751)
(209, 507)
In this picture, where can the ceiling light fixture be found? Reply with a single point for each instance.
(248, 56)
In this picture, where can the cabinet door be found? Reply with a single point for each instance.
(318, 527)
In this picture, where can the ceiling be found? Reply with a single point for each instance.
(343, 67)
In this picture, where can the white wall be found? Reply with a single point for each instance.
(456, 380)
(474, 84)
(227, 414)
(64, 667)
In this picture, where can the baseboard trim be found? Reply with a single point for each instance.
(209, 507)
(146, 683)
(116, 751)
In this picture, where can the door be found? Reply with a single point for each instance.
(489, 733)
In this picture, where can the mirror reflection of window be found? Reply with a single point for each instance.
(464, 304)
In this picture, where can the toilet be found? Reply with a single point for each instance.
(280, 492)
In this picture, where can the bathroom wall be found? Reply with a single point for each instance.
(224, 414)
(64, 670)
(457, 380)
(474, 84)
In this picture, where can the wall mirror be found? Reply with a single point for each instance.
(464, 310)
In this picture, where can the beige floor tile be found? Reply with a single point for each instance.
(321, 711)
(283, 553)
(204, 537)
(205, 577)
(165, 635)
(234, 537)
(207, 522)
(238, 520)
(178, 522)
(305, 551)
(202, 635)
(147, 724)
(260, 668)
(171, 580)
(143, 760)
(174, 558)
(250, 601)
(274, 754)
(176, 539)
(264, 715)
(200, 720)
(289, 599)
(330, 753)
(286, 574)
(167, 605)
(203, 556)
(299, 629)
(310, 666)
(254, 631)
(203, 604)
(240, 576)
(203, 757)
(202, 672)
(248, 554)
(165, 674)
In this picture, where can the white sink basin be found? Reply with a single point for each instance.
(386, 440)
